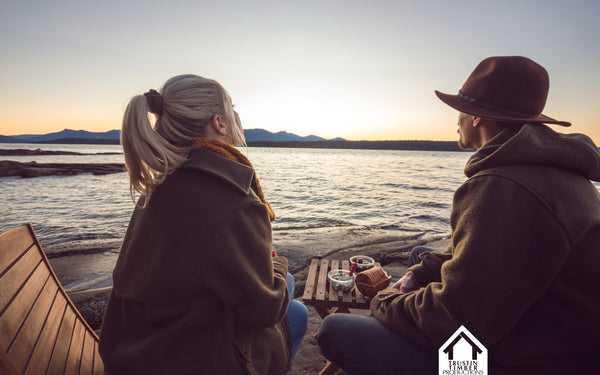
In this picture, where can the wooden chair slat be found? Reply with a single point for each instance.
(98, 364)
(74, 358)
(6, 366)
(60, 351)
(13, 244)
(14, 315)
(43, 350)
(24, 343)
(15, 276)
(87, 355)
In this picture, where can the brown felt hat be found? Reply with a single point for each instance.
(505, 88)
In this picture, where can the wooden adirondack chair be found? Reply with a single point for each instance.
(41, 330)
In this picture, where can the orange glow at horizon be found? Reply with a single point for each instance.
(438, 131)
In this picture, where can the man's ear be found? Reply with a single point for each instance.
(476, 121)
(218, 126)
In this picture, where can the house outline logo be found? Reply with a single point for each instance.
(461, 335)
(462, 354)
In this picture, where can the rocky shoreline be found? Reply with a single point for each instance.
(39, 151)
(33, 169)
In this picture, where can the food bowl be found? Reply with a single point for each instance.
(341, 280)
(363, 262)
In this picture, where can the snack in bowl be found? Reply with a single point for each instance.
(341, 280)
(364, 262)
(373, 280)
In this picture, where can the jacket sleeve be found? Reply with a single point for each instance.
(430, 268)
(508, 247)
(241, 271)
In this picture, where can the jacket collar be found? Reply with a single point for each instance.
(236, 174)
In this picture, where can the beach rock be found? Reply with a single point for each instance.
(39, 151)
(93, 312)
(32, 169)
(91, 305)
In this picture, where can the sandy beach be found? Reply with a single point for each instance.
(87, 276)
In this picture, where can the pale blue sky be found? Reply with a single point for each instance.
(353, 69)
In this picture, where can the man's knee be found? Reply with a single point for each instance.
(330, 329)
(325, 330)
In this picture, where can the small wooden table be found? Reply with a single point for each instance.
(319, 294)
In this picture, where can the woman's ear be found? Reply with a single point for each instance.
(218, 126)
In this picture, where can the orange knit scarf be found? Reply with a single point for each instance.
(230, 152)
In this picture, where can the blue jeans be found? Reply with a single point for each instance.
(362, 345)
(297, 315)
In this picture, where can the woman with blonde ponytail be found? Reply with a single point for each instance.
(198, 288)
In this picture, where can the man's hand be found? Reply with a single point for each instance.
(407, 283)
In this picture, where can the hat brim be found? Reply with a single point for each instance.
(473, 109)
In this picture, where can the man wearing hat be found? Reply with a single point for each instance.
(522, 272)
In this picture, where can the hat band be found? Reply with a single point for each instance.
(470, 99)
(465, 97)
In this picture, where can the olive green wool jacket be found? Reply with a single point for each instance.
(196, 289)
(522, 272)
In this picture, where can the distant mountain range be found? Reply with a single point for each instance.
(65, 136)
(262, 135)
(254, 138)
(112, 137)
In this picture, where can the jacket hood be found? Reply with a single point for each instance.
(540, 145)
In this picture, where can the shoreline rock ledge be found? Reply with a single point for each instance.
(33, 169)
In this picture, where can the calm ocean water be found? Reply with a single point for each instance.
(400, 192)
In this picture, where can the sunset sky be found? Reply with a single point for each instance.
(351, 69)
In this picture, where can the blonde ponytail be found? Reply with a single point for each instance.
(149, 157)
(155, 145)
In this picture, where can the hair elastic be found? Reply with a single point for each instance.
(155, 102)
